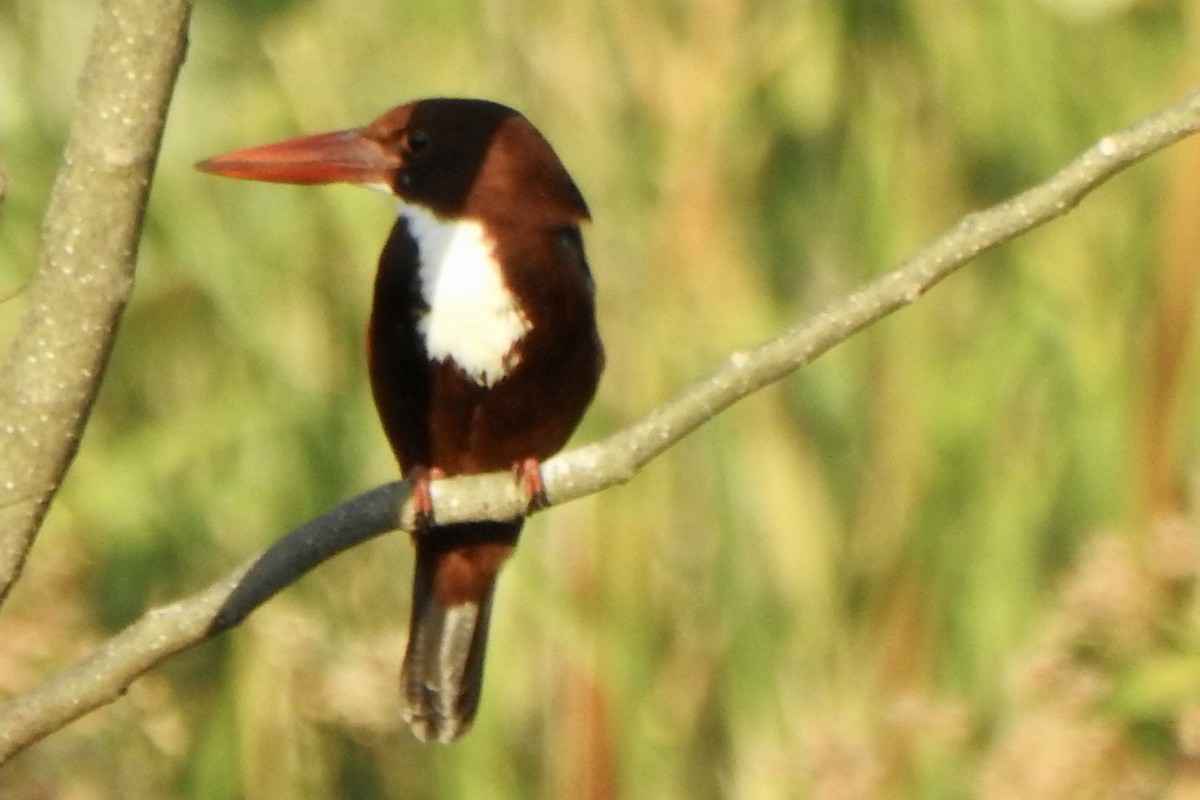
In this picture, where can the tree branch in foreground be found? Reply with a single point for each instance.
(160, 633)
(90, 236)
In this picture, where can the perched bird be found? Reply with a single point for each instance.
(482, 344)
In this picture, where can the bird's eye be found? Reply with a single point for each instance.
(416, 141)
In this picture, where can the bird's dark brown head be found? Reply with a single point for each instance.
(456, 157)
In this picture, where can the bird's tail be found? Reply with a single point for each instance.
(453, 583)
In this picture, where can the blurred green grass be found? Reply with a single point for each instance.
(954, 558)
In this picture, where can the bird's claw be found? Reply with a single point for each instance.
(529, 474)
(422, 495)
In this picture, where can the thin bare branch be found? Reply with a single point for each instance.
(161, 633)
(85, 272)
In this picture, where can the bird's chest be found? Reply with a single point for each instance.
(465, 312)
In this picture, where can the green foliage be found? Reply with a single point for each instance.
(894, 575)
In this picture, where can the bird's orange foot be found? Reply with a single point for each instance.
(422, 497)
(529, 474)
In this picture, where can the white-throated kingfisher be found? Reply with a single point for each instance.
(482, 344)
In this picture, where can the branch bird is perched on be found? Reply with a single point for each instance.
(482, 344)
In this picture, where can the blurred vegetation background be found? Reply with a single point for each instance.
(955, 558)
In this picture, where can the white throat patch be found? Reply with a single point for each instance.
(473, 318)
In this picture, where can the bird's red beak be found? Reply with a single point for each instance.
(338, 157)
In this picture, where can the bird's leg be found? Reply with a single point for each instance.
(529, 473)
(422, 497)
